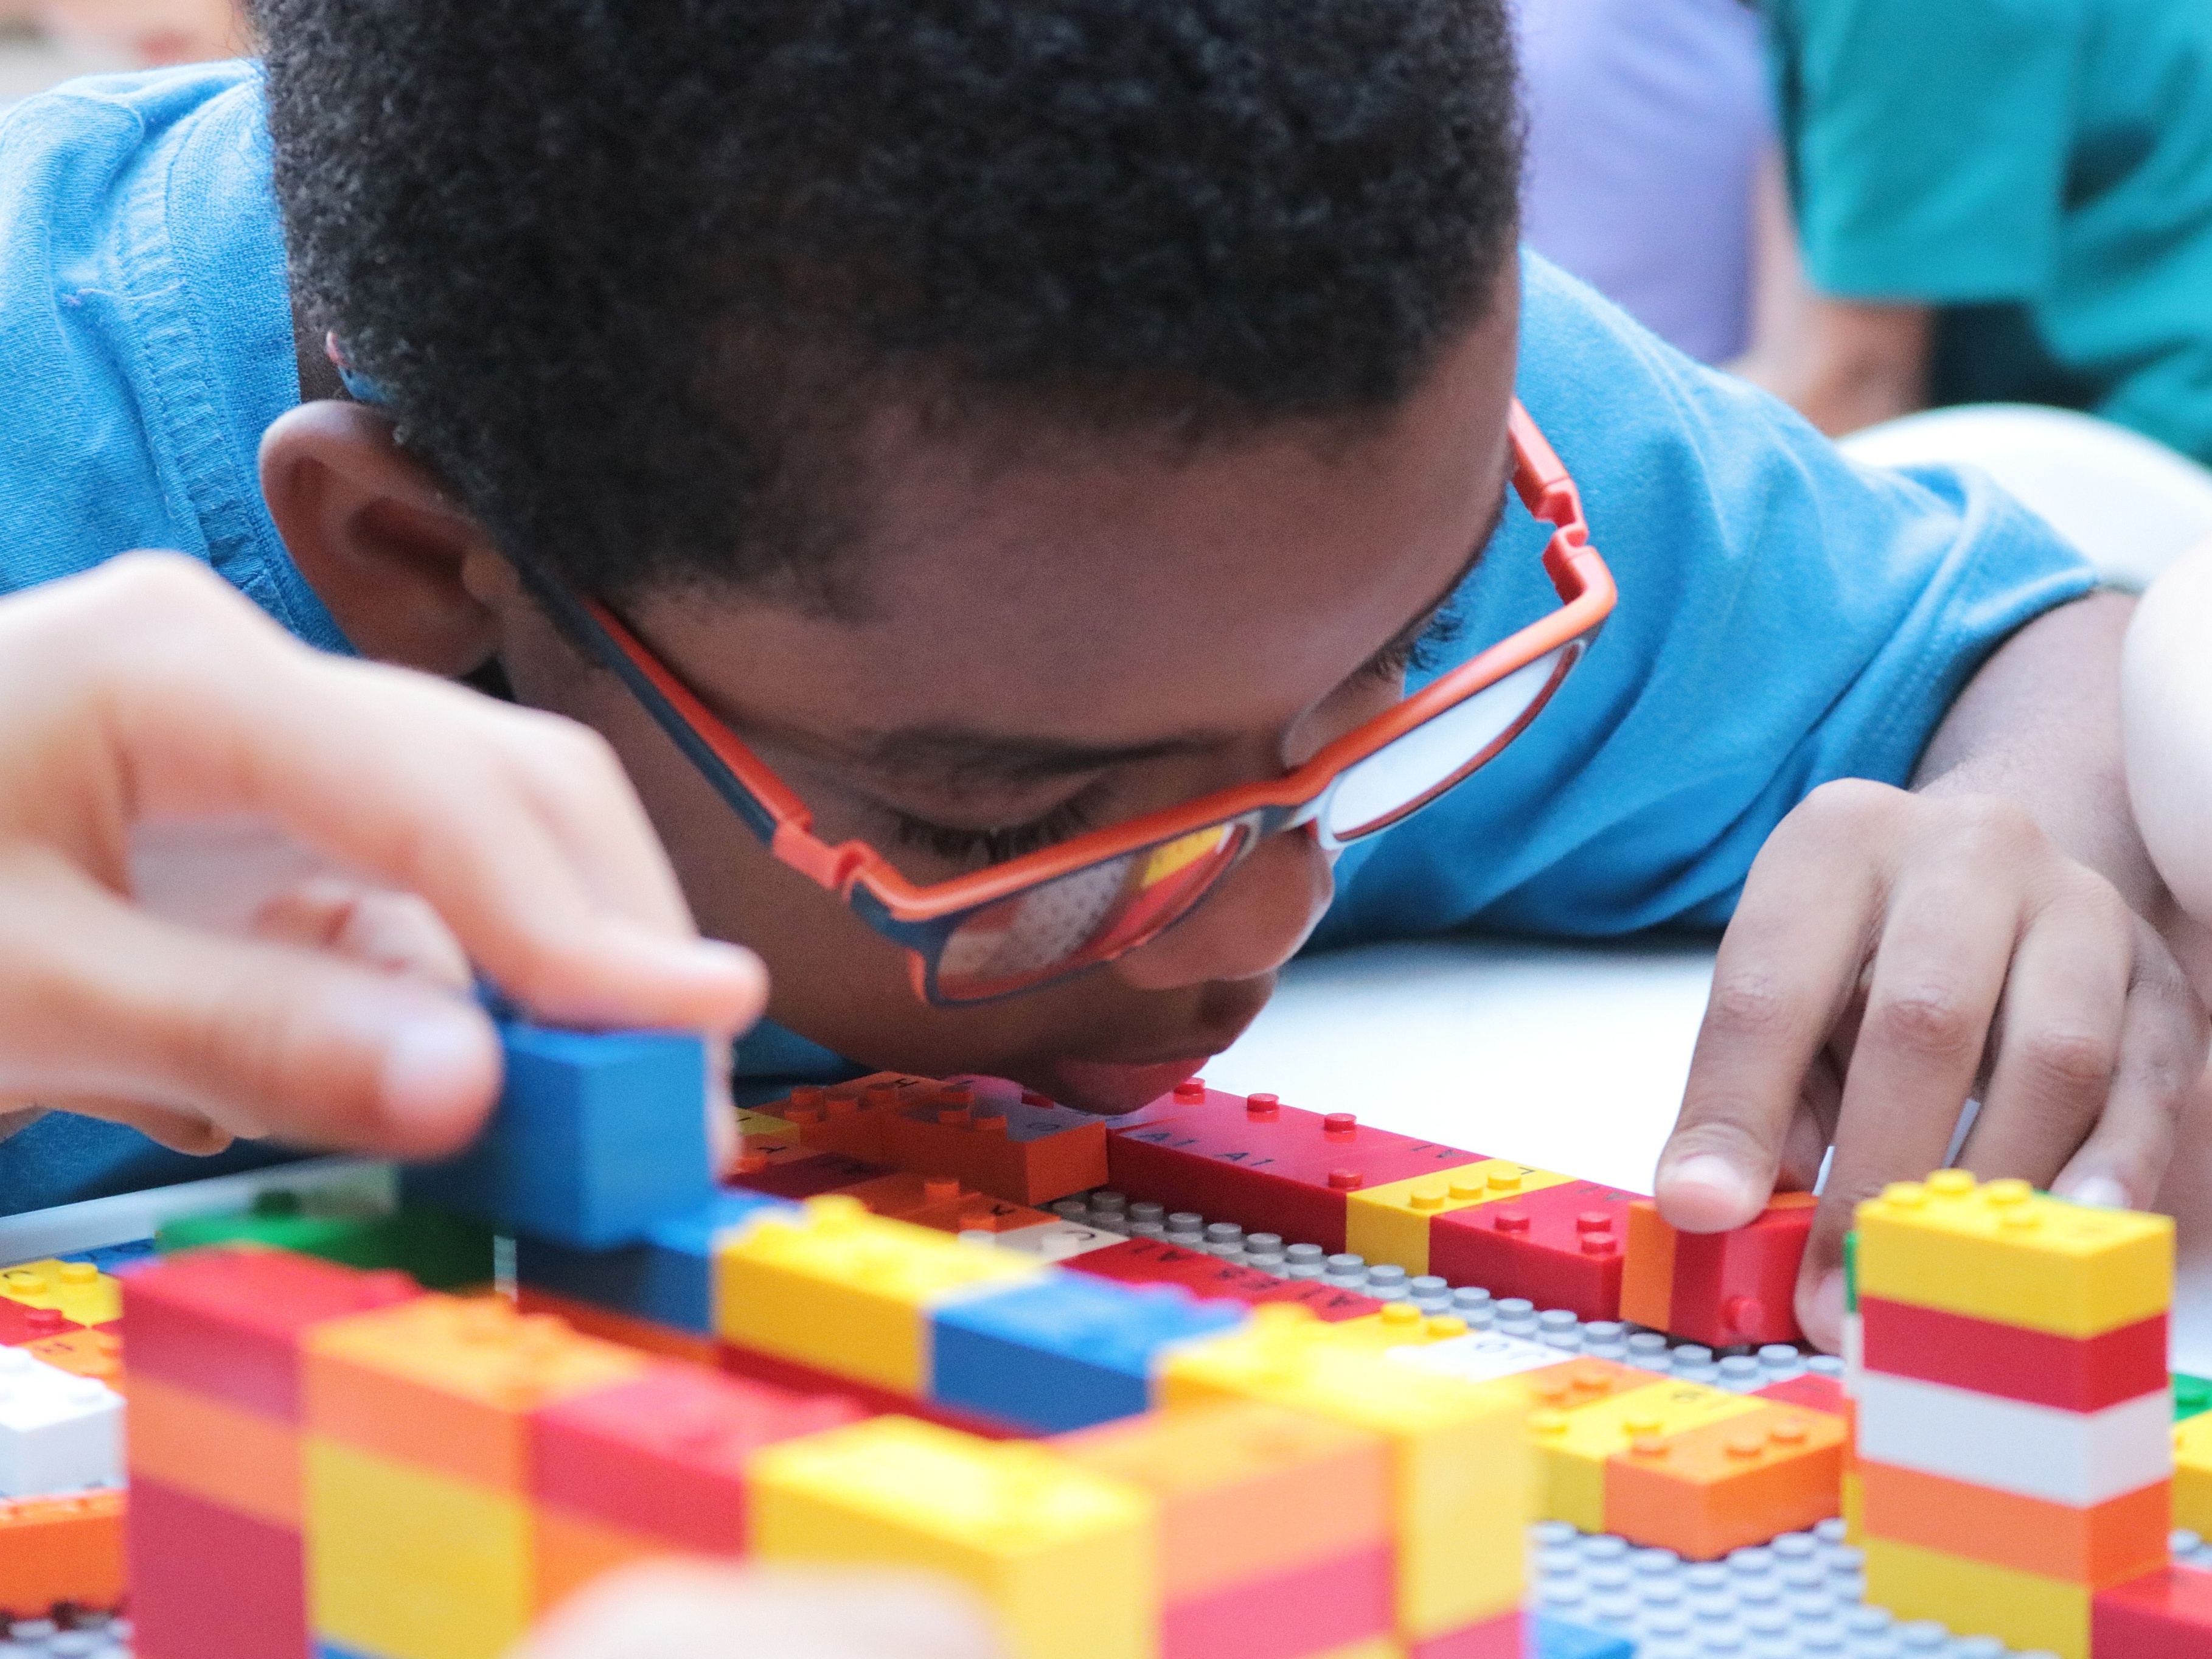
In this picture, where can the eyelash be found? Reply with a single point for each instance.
(1068, 819)
(1424, 654)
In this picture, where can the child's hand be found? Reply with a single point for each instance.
(240, 881)
(1895, 954)
(706, 1612)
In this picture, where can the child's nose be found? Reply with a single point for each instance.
(1251, 924)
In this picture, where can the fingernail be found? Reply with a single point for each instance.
(437, 1062)
(1715, 1174)
(2097, 1193)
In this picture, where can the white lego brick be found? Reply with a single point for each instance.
(1479, 1357)
(2078, 1458)
(57, 1432)
(1055, 1241)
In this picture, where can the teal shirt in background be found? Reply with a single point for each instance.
(2042, 168)
(1785, 618)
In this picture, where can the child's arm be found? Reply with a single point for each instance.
(425, 828)
(1990, 933)
(2166, 698)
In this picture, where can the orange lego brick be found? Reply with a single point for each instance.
(849, 1117)
(981, 1213)
(212, 1448)
(1246, 1490)
(937, 1201)
(1647, 1277)
(447, 1384)
(2101, 1546)
(96, 1354)
(645, 1335)
(568, 1550)
(61, 1549)
(1023, 1149)
(1726, 1484)
(1579, 1383)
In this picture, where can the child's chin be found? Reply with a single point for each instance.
(1093, 1086)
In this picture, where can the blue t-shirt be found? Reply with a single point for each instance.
(1785, 618)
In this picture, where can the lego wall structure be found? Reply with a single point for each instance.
(1227, 1380)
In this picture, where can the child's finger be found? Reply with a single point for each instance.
(709, 1613)
(99, 999)
(396, 931)
(1788, 963)
(517, 827)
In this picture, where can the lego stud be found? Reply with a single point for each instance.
(1443, 1328)
(1345, 1181)
(1506, 1181)
(78, 1273)
(988, 1126)
(1599, 1244)
(1905, 1194)
(939, 1190)
(1745, 1445)
(1339, 1125)
(1593, 1221)
(1433, 1197)
(803, 1116)
(1951, 1183)
(1397, 1315)
(1193, 1089)
(751, 1163)
(836, 1210)
(1262, 1109)
(807, 1095)
(956, 1094)
(1652, 1445)
(1510, 1221)
(1791, 1431)
(880, 1097)
(1744, 1312)
(955, 1117)
(1548, 1423)
(1465, 1189)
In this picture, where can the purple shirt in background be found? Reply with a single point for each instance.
(1647, 120)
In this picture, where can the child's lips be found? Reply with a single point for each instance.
(1103, 1086)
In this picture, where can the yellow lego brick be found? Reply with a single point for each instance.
(408, 1564)
(850, 1292)
(2004, 1251)
(1374, 1647)
(1571, 1447)
(2192, 1474)
(1390, 1223)
(1854, 1506)
(1459, 1453)
(76, 1289)
(2023, 1609)
(1064, 1556)
(765, 1129)
(1398, 1325)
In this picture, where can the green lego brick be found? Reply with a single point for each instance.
(442, 1251)
(2192, 1395)
(1850, 1272)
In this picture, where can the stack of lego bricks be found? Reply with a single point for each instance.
(2013, 1422)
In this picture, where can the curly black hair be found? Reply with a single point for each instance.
(628, 271)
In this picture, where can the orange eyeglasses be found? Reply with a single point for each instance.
(1052, 914)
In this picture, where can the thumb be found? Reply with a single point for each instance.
(98, 998)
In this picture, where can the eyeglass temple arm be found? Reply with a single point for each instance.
(1549, 494)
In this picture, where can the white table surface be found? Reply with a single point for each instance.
(1569, 1057)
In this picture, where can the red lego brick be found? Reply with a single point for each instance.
(793, 1378)
(209, 1583)
(1154, 1261)
(1559, 1246)
(228, 1322)
(809, 1176)
(1270, 1167)
(1728, 1288)
(664, 1454)
(1812, 1391)
(2166, 1614)
(2073, 1374)
(21, 1326)
(56, 1550)
(1315, 1608)
(1491, 1639)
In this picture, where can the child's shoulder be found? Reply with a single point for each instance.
(127, 110)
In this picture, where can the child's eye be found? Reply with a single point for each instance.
(1425, 652)
(982, 848)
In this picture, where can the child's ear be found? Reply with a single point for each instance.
(377, 537)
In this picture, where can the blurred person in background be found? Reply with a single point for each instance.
(1649, 122)
(1996, 201)
(137, 33)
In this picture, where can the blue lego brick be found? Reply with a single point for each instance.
(1063, 1352)
(669, 1279)
(1555, 1638)
(597, 1137)
(112, 1258)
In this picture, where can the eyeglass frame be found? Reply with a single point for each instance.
(922, 919)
